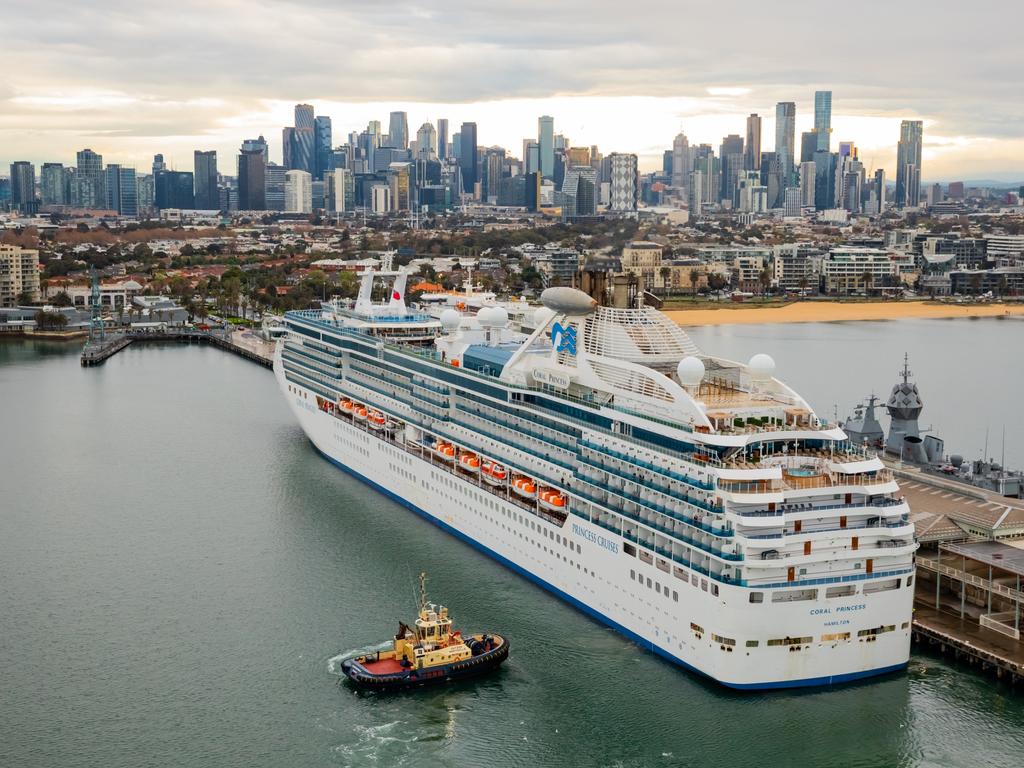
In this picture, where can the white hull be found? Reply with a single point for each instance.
(586, 565)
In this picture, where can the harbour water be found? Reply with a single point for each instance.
(178, 565)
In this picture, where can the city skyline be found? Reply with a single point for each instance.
(622, 82)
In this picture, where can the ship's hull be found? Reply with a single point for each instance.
(585, 565)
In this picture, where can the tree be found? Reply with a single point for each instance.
(868, 279)
(765, 279)
(694, 280)
(666, 274)
(50, 321)
(62, 299)
(25, 297)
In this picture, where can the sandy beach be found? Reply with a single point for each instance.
(833, 312)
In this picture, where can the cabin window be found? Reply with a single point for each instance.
(704, 584)
(648, 582)
(835, 636)
(877, 630)
(757, 597)
(844, 591)
(881, 586)
(675, 595)
(629, 549)
(789, 641)
(697, 628)
(632, 575)
(753, 643)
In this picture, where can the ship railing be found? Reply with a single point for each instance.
(475, 411)
(334, 373)
(519, 447)
(903, 523)
(646, 465)
(785, 509)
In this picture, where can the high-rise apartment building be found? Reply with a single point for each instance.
(442, 139)
(823, 120)
(808, 146)
(531, 156)
(785, 137)
(752, 149)
(469, 163)
(426, 142)
(274, 181)
(174, 189)
(302, 154)
(908, 164)
(682, 161)
(625, 189)
(323, 143)
(19, 275)
(398, 130)
(808, 176)
(731, 154)
(23, 186)
(207, 196)
(52, 184)
(546, 142)
(89, 182)
(298, 191)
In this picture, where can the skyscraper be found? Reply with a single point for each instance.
(682, 161)
(23, 186)
(298, 192)
(207, 197)
(469, 164)
(531, 156)
(303, 139)
(252, 164)
(398, 130)
(731, 154)
(51, 183)
(122, 192)
(785, 138)
(546, 140)
(442, 139)
(175, 189)
(323, 142)
(426, 142)
(752, 151)
(908, 164)
(89, 181)
(808, 146)
(823, 120)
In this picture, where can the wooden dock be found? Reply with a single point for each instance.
(948, 634)
(256, 351)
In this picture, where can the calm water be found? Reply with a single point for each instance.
(177, 565)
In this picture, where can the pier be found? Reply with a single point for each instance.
(241, 343)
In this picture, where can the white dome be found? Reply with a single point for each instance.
(499, 317)
(761, 367)
(486, 317)
(542, 316)
(690, 371)
(450, 320)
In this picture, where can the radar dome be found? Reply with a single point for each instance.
(761, 367)
(450, 320)
(956, 460)
(492, 317)
(690, 371)
(568, 301)
(499, 317)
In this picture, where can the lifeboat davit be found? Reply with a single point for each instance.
(376, 420)
(494, 473)
(445, 450)
(346, 406)
(360, 412)
(525, 487)
(470, 462)
(552, 499)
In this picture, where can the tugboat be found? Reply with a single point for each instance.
(427, 653)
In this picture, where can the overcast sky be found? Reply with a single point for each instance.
(129, 78)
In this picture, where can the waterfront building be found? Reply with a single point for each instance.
(752, 148)
(1004, 245)
(19, 275)
(848, 268)
(298, 192)
(796, 267)
(908, 164)
(89, 180)
(644, 260)
(23, 186)
(205, 179)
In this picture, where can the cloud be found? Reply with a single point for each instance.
(161, 76)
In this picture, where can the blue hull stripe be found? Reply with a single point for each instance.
(642, 642)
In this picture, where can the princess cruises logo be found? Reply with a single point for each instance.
(564, 338)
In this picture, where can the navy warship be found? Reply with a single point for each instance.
(909, 444)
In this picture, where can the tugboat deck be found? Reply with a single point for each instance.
(383, 667)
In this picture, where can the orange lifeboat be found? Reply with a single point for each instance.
(360, 412)
(346, 405)
(552, 499)
(525, 487)
(376, 420)
(469, 461)
(494, 473)
(445, 450)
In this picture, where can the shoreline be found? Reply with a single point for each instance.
(837, 312)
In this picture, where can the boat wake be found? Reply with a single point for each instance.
(334, 662)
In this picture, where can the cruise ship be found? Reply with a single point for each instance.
(697, 505)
